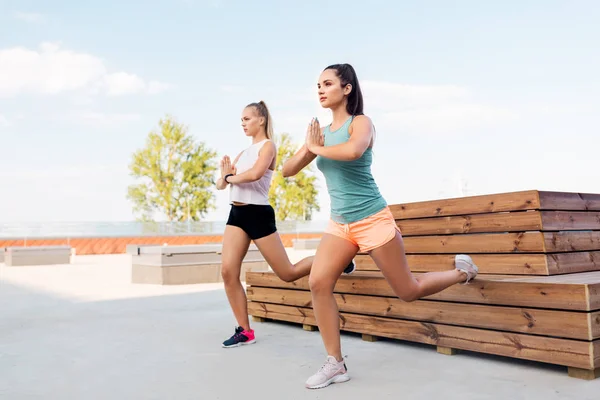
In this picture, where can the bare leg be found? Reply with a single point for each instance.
(235, 247)
(274, 252)
(333, 255)
(391, 260)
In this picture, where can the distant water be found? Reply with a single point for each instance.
(120, 229)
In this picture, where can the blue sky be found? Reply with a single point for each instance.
(468, 98)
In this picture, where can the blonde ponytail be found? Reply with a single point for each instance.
(263, 111)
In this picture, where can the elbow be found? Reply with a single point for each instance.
(355, 154)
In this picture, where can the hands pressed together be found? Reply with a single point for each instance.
(227, 167)
(314, 137)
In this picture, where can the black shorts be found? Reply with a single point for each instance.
(256, 220)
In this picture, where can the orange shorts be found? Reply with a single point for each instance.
(368, 233)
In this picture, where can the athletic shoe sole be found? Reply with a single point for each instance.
(239, 344)
(335, 379)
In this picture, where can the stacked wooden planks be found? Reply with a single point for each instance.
(537, 295)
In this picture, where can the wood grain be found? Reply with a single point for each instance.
(566, 324)
(499, 202)
(502, 264)
(568, 352)
(570, 293)
(520, 221)
(524, 242)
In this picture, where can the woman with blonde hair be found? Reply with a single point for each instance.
(252, 218)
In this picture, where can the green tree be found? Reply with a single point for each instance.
(174, 175)
(293, 198)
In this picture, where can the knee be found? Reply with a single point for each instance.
(230, 273)
(320, 285)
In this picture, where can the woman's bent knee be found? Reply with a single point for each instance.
(320, 285)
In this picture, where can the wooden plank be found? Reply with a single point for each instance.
(570, 220)
(498, 202)
(568, 352)
(501, 264)
(513, 201)
(594, 324)
(532, 291)
(520, 221)
(517, 264)
(571, 241)
(569, 263)
(566, 324)
(569, 201)
(478, 223)
(524, 242)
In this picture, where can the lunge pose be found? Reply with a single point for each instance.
(253, 219)
(360, 218)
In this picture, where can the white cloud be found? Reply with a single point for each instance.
(32, 18)
(3, 121)
(52, 70)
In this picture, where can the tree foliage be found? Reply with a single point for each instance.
(174, 173)
(293, 198)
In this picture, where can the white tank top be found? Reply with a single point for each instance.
(256, 192)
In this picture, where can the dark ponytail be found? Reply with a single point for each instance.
(348, 76)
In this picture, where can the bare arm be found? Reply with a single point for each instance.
(265, 158)
(225, 169)
(353, 149)
(297, 162)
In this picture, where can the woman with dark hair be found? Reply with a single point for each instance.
(252, 218)
(360, 218)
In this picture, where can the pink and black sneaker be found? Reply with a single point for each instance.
(240, 337)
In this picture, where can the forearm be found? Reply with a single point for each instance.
(221, 184)
(340, 152)
(244, 177)
(294, 164)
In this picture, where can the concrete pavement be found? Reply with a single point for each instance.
(82, 331)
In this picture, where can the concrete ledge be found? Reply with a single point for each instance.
(305, 244)
(37, 255)
(188, 274)
(187, 264)
(186, 254)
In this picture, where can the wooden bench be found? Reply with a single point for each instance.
(37, 255)
(537, 296)
(187, 264)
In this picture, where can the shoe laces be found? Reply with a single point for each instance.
(328, 367)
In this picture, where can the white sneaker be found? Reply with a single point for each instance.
(464, 263)
(331, 372)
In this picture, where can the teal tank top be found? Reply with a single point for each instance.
(352, 189)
